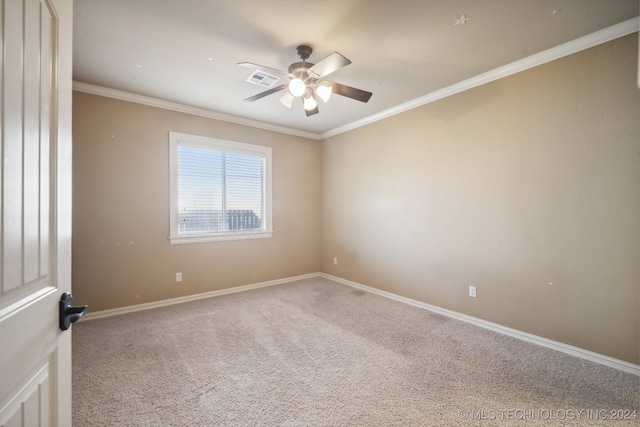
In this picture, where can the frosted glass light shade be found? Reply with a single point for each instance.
(297, 87)
(310, 103)
(324, 91)
(287, 99)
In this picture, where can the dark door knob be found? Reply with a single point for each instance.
(68, 313)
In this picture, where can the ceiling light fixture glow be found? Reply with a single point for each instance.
(309, 102)
(324, 91)
(297, 87)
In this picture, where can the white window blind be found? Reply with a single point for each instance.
(220, 189)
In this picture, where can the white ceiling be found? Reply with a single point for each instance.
(186, 51)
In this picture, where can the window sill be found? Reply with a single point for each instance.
(203, 238)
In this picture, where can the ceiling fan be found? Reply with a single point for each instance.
(306, 81)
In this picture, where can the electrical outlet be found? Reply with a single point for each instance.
(335, 261)
(472, 291)
(178, 277)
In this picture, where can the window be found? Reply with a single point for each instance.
(219, 190)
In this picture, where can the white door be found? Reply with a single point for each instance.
(35, 211)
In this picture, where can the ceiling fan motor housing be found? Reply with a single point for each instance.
(299, 69)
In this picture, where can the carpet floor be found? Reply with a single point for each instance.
(318, 353)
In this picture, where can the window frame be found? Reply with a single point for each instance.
(177, 139)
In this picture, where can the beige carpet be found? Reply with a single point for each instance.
(318, 353)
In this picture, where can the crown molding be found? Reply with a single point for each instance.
(599, 37)
(182, 108)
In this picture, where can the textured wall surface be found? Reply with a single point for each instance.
(527, 188)
(121, 251)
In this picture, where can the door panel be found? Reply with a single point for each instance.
(35, 211)
(25, 174)
(31, 404)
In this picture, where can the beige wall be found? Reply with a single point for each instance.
(121, 254)
(527, 187)
(527, 181)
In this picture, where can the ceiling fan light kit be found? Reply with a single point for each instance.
(310, 102)
(306, 81)
(297, 87)
(287, 99)
(324, 91)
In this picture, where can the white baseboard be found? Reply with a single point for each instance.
(149, 305)
(555, 345)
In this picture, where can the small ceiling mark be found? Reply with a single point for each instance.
(555, 11)
(462, 20)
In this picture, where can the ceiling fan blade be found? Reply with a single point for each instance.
(266, 93)
(265, 69)
(350, 92)
(312, 112)
(328, 65)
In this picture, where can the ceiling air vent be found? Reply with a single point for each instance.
(263, 79)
